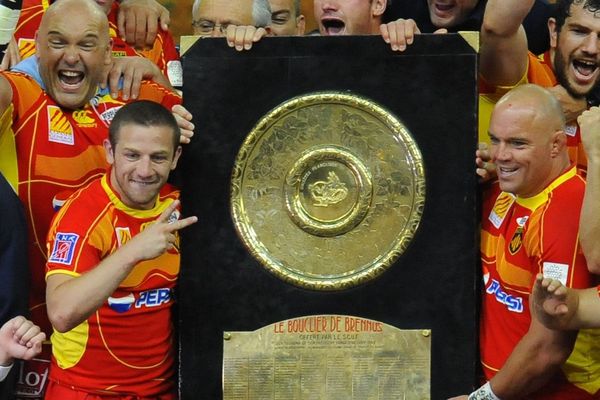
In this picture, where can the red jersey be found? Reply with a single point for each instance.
(164, 53)
(50, 152)
(539, 72)
(126, 346)
(521, 237)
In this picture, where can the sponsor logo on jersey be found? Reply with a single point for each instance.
(522, 220)
(571, 130)
(153, 298)
(119, 53)
(123, 235)
(121, 304)
(557, 271)
(60, 199)
(84, 118)
(175, 73)
(501, 207)
(63, 248)
(512, 303)
(108, 115)
(60, 130)
(26, 47)
(517, 240)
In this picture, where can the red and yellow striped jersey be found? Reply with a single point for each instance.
(521, 237)
(131, 334)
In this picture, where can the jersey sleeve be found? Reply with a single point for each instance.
(72, 243)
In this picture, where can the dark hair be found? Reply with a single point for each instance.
(563, 10)
(145, 113)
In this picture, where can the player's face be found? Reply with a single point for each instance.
(220, 13)
(346, 17)
(449, 13)
(577, 51)
(285, 20)
(141, 161)
(73, 48)
(522, 150)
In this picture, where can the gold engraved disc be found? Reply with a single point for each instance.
(327, 190)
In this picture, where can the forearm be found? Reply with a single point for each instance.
(503, 54)
(504, 17)
(70, 301)
(589, 228)
(532, 364)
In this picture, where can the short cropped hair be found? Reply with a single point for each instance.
(563, 10)
(261, 11)
(143, 113)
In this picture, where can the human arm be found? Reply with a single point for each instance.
(589, 225)
(503, 55)
(11, 56)
(6, 95)
(19, 338)
(242, 37)
(131, 71)
(533, 362)
(71, 300)
(138, 21)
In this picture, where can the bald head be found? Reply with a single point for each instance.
(73, 47)
(88, 8)
(528, 140)
(543, 108)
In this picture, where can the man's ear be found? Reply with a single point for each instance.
(108, 52)
(176, 157)
(378, 7)
(553, 32)
(559, 142)
(300, 25)
(108, 151)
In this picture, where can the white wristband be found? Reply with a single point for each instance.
(4, 371)
(484, 393)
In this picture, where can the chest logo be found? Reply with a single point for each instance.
(516, 242)
(501, 207)
(83, 118)
(123, 235)
(60, 130)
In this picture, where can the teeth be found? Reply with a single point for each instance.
(70, 73)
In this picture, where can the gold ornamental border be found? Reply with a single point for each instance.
(249, 236)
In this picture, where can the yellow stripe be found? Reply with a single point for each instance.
(8, 149)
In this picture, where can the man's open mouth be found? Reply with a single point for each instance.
(333, 26)
(585, 68)
(70, 79)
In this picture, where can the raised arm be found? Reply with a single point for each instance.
(589, 226)
(504, 55)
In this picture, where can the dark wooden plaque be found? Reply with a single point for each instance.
(432, 285)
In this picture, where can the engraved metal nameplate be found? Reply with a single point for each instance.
(327, 357)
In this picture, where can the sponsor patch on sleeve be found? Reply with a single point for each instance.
(64, 247)
(560, 272)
